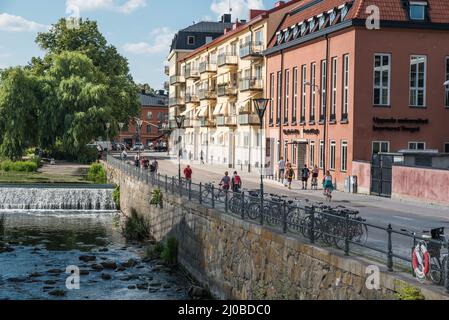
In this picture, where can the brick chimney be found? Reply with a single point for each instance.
(254, 13)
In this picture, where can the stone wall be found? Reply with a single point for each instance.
(241, 260)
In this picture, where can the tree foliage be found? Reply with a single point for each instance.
(64, 99)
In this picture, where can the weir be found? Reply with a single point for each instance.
(56, 197)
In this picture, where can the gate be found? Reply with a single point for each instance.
(381, 175)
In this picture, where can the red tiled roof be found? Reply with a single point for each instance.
(390, 10)
(263, 14)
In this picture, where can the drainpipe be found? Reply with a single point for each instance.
(325, 124)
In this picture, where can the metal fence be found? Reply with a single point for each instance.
(315, 222)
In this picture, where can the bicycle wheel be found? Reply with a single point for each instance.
(360, 233)
(253, 211)
(436, 271)
(273, 215)
(306, 226)
(235, 205)
(294, 222)
(206, 197)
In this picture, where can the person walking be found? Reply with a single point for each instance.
(290, 175)
(315, 174)
(305, 177)
(328, 185)
(202, 157)
(236, 182)
(188, 173)
(136, 161)
(225, 182)
(281, 165)
(156, 166)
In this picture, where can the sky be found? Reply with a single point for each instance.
(141, 30)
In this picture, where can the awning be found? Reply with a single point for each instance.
(202, 111)
(188, 110)
(218, 109)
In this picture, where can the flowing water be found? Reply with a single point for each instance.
(56, 198)
(36, 247)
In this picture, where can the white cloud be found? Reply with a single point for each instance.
(92, 5)
(240, 8)
(13, 23)
(161, 43)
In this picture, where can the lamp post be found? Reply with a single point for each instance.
(261, 108)
(121, 125)
(139, 123)
(179, 123)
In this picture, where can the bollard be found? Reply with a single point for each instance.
(284, 217)
(190, 190)
(390, 249)
(347, 235)
(166, 183)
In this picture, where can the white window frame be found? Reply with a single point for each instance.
(294, 153)
(417, 89)
(191, 38)
(332, 155)
(286, 151)
(287, 95)
(334, 88)
(344, 156)
(303, 92)
(279, 97)
(416, 143)
(323, 83)
(312, 91)
(345, 107)
(272, 90)
(381, 87)
(295, 95)
(380, 145)
(322, 154)
(421, 4)
(312, 154)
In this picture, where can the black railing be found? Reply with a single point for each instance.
(317, 223)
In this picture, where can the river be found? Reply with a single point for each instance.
(36, 247)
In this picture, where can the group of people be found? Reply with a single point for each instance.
(287, 174)
(227, 183)
(144, 163)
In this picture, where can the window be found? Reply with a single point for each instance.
(321, 154)
(286, 151)
(149, 115)
(332, 17)
(332, 154)
(295, 95)
(417, 10)
(417, 145)
(447, 87)
(323, 89)
(381, 146)
(446, 147)
(287, 92)
(344, 156)
(246, 140)
(418, 81)
(344, 114)
(287, 35)
(271, 97)
(303, 29)
(344, 12)
(313, 92)
(295, 153)
(382, 71)
(280, 37)
(258, 72)
(149, 128)
(334, 90)
(209, 39)
(312, 25)
(322, 21)
(279, 98)
(304, 93)
(295, 32)
(312, 154)
(191, 40)
(259, 37)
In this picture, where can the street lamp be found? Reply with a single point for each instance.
(121, 125)
(179, 122)
(139, 123)
(261, 107)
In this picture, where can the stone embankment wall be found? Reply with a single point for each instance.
(241, 260)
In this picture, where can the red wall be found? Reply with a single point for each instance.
(362, 170)
(428, 185)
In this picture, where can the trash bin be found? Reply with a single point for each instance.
(354, 184)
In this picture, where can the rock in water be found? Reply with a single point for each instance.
(106, 276)
(197, 292)
(109, 265)
(86, 258)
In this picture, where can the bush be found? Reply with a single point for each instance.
(156, 198)
(135, 228)
(170, 253)
(87, 155)
(116, 197)
(97, 174)
(19, 166)
(407, 292)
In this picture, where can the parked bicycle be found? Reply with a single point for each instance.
(209, 192)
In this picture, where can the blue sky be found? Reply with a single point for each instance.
(141, 29)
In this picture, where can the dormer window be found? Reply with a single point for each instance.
(280, 37)
(286, 34)
(322, 21)
(332, 17)
(295, 32)
(311, 25)
(303, 29)
(417, 10)
(344, 12)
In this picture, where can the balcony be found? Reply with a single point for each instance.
(251, 84)
(225, 90)
(207, 95)
(206, 67)
(192, 98)
(188, 123)
(206, 123)
(223, 121)
(248, 119)
(166, 86)
(176, 101)
(227, 60)
(192, 74)
(251, 50)
(177, 80)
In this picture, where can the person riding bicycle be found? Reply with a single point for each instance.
(225, 182)
(328, 184)
(236, 182)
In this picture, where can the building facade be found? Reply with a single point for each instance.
(216, 89)
(154, 114)
(343, 90)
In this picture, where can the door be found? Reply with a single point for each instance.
(381, 175)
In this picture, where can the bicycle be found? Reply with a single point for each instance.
(219, 194)
(328, 194)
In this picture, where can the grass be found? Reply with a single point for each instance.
(37, 177)
(136, 228)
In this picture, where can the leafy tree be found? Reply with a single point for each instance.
(146, 88)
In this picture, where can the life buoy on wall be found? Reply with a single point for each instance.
(421, 261)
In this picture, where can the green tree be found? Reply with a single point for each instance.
(18, 111)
